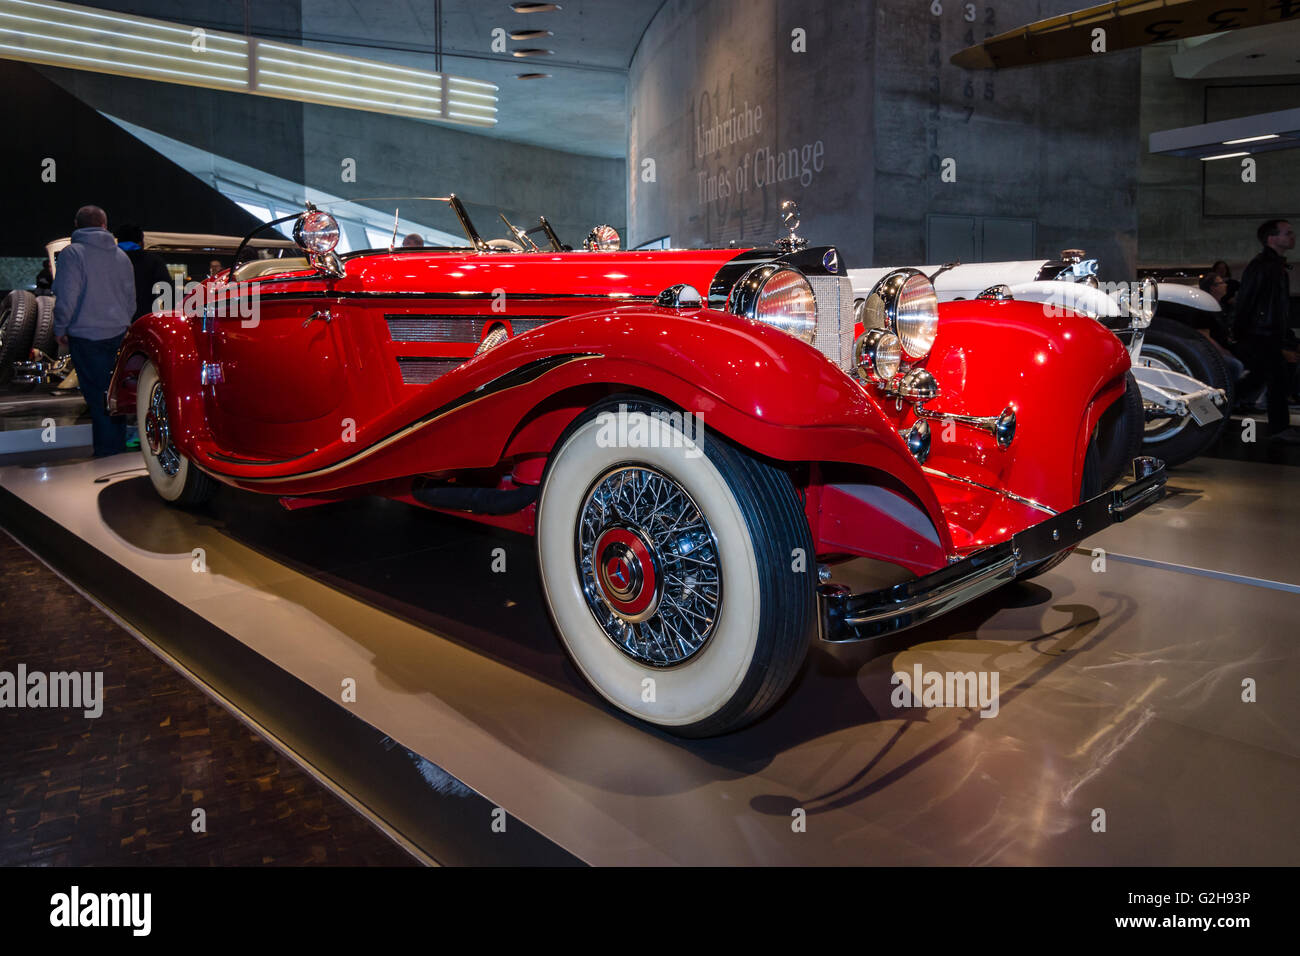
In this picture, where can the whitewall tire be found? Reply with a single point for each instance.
(678, 570)
(173, 476)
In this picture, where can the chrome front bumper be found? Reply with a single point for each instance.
(844, 617)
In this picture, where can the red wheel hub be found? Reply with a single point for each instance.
(627, 573)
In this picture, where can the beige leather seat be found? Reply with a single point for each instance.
(255, 268)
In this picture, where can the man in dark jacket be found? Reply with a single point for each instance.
(150, 269)
(94, 286)
(1263, 314)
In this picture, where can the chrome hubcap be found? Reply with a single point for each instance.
(158, 434)
(1160, 429)
(648, 563)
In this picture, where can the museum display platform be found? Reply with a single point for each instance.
(1120, 690)
(27, 413)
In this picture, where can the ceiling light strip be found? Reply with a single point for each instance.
(98, 31)
(339, 99)
(77, 37)
(1251, 139)
(51, 58)
(356, 62)
(454, 97)
(68, 9)
(307, 70)
(61, 46)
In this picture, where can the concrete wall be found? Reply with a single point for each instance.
(1192, 213)
(1055, 143)
(406, 157)
(736, 121)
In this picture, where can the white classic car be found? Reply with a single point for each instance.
(1186, 387)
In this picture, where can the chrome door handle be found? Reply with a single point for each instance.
(321, 314)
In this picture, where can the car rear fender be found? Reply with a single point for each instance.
(167, 340)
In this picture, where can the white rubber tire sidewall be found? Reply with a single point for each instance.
(169, 487)
(689, 692)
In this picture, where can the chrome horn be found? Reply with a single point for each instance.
(1001, 426)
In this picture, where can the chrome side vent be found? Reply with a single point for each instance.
(520, 326)
(439, 329)
(434, 328)
(834, 334)
(422, 371)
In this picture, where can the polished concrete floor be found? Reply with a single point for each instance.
(1121, 690)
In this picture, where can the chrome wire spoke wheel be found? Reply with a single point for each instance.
(1158, 357)
(649, 566)
(158, 432)
(666, 568)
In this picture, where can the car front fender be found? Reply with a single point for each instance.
(1058, 370)
(755, 385)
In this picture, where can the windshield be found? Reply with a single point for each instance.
(415, 222)
(448, 221)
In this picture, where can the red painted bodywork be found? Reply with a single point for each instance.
(314, 409)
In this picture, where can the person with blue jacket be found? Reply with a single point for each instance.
(94, 286)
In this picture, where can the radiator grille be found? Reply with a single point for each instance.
(834, 335)
(422, 371)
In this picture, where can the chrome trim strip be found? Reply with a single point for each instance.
(1020, 499)
(512, 379)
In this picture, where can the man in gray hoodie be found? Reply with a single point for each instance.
(94, 285)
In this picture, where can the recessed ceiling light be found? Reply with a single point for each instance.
(1206, 159)
(534, 7)
(532, 51)
(530, 34)
(1251, 139)
(533, 76)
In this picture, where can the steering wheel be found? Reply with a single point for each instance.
(504, 245)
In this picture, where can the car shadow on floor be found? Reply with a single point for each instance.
(436, 572)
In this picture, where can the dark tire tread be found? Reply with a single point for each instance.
(1205, 363)
(20, 308)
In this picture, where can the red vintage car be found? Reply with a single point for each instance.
(701, 441)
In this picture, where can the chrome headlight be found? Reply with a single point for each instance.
(603, 239)
(1148, 296)
(877, 355)
(778, 296)
(904, 302)
(1124, 300)
(316, 232)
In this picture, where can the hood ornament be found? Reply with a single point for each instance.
(790, 220)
